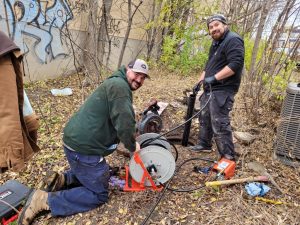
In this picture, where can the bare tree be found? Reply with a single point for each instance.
(104, 37)
(128, 29)
(268, 65)
(243, 14)
(90, 54)
(261, 25)
(98, 38)
(152, 31)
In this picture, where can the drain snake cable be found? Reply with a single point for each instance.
(166, 187)
(147, 142)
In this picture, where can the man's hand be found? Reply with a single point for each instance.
(152, 102)
(201, 77)
(210, 80)
(196, 88)
(137, 147)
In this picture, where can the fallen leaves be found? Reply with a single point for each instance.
(123, 211)
(204, 206)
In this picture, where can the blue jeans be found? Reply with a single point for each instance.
(90, 176)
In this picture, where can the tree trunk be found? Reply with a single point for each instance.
(263, 17)
(103, 30)
(130, 18)
(152, 32)
(90, 55)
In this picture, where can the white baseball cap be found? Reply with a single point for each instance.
(139, 66)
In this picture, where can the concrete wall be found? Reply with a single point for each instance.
(38, 28)
(54, 65)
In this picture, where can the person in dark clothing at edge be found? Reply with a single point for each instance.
(222, 73)
(106, 118)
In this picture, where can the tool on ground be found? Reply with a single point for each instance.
(236, 181)
(152, 166)
(151, 122)
(225, 167)
(270, 201)
(189, 114)
(12, 195)
(259, 168)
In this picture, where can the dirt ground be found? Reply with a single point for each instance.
(225, 205)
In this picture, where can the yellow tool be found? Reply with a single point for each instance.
(269, 201)
(236, 181)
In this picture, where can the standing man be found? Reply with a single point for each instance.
(222, 75)
(106, 118)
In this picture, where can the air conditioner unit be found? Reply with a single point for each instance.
(287, 144)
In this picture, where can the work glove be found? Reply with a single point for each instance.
(210, 80)
(196, 88)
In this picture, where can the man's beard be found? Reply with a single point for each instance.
(217, 35)
(135, 87)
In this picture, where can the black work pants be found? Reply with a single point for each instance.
(214, 121)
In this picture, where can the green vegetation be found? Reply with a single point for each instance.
(185, 46)
(249, 44)
(185, 55)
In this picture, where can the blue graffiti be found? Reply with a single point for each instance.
(41, 21)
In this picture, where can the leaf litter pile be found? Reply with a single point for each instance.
(218, 205)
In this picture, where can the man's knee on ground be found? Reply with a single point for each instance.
(103, 198)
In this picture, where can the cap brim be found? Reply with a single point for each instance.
(140, 71)
(216, 19)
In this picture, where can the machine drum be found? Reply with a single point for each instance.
(158, 161)
(144, 140)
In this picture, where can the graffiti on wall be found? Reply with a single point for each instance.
(40, 20)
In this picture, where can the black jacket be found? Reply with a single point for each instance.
(229, 51)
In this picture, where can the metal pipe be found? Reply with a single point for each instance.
(189, 114)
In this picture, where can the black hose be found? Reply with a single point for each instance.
(188, 160)
(156, 203)
(176, 151)
(169, 182)
(144, 145)
(180, 125)
(184, 162)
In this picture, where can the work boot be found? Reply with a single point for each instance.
(36, 203)
(53, 181)
(230, 157)
(200, 148)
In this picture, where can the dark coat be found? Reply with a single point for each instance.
(105, 119)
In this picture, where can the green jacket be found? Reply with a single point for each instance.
(105, 118)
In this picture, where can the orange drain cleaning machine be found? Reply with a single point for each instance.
(152, 166)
